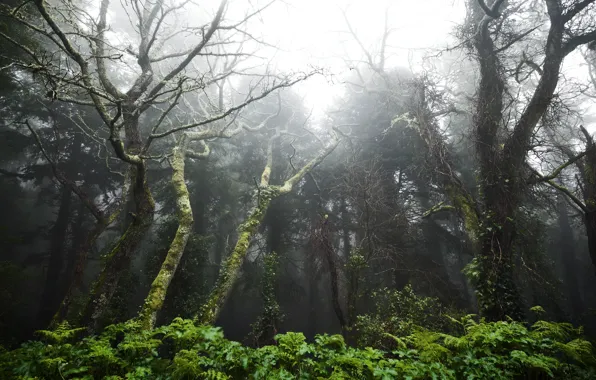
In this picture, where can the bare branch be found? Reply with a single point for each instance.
(100, 52)
(8, 173)
(493, 11)
(558, 170)
(231, 110)
(63, 179)
(578, 7)
(214, 26)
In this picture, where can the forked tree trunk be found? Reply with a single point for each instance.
(230, 269)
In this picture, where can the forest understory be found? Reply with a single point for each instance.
(189, 193)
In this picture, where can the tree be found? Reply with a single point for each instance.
(81, 67)
(501, 143)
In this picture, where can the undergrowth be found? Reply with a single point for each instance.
(183, 350)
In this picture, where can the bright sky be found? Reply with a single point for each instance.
(314, 32)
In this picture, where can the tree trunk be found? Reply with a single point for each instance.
(82, 253)
(50, 299)
(326, 246)
(313, 293)
(590, 222)
(157, 294)
(589, 191)
(567, 251)
(230, 268)
(78, 237)
(141, 207)
(498, 295)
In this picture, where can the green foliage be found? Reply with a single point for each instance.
(396, 314)
(183, 350)
(265, 326)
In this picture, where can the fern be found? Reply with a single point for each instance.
(183, 350)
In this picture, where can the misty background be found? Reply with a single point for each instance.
(366, 114)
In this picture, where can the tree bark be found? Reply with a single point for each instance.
(589, 189)
(230, 268)
(326, 246)
(157, 294)
(50, 299)
(82, 253)
(141, 208)
(567, 252)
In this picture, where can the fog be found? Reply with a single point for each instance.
(359, 168)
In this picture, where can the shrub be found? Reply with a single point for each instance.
(397, 312)
(183, 350)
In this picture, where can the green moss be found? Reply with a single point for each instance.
(467, 210)
(231, 266)
(157, 294)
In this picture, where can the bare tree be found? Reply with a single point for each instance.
(79, 62)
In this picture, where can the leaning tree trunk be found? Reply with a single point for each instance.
(118, 260)
(82, 253)
(50, 298)
(157, 294)
(230, 268)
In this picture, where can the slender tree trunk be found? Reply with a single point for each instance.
(567, 252)
(590, 222)
(326, 246)
(313, 295)
(157, 294)
(230, 268)
(50, 299)
(353, 272)
(78, 237)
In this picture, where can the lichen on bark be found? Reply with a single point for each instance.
(231, 266)
(157, 293)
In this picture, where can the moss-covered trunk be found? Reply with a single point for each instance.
(230, 268)
(140, 208)
(118, 259)
(157, 294)
(82, 253)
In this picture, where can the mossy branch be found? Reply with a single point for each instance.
(230, 269)
(437, 208)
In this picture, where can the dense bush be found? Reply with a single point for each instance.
(183, 350)
(397, 313)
